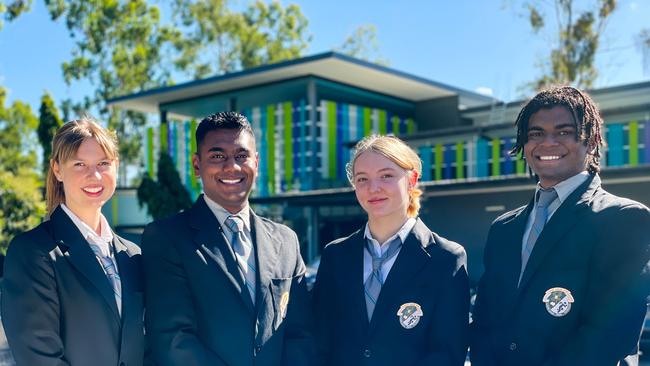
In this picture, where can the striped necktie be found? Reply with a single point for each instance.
(111, 273)
(375, 281)
(544, 199)
(243, 252)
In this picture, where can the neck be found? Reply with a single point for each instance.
(384, 227)
(89, 217)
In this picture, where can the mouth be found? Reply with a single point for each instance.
(93, 191)
(231, 182)
(374, 201)
(548, 157)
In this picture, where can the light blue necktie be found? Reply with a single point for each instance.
(243, 252)
(111, 273)
(372, 286)
(544, 199)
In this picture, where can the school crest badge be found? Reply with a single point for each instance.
(558, 301)
(409, 315)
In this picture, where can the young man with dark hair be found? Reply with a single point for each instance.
(223, 285)
(566, 276)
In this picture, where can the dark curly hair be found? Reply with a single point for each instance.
(586, 117)
(222, 121)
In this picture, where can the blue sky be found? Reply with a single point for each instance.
(472, 44)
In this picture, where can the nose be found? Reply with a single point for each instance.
(94, 172)
(374, 185)
(230, 165)
(549, 139)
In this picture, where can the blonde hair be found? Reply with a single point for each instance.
(399, 153)
(65, 144)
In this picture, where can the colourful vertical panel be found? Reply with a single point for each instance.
(438, 159)
(288, 144)
(263, 168)
(646, 142)
(633, 143)
(150, 152)
(163, 137)
(305, 182)
(520, 164)
(448, 162)
(331, 139)
(360, 123)
(171, 139)
(460, 160)
(191, 143)
(496, 157)
(396, 125)
(425, 156)
(343, 131)
(410, 125)
(615, 141)
(508, 163)
(482, 161)
(367, 121)
(381, 115)
(180, 152)
(114, 211)
(270, 134)
(295, 133)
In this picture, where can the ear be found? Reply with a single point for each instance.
(56, 169)
(413, 178)
(195, 165)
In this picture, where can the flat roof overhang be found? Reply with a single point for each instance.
(330, 65)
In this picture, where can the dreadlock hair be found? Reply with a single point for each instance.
(586, 117)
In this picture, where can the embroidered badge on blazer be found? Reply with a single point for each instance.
(409, 315)
(558, 301)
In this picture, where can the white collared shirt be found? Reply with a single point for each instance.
(563, 190)
(222, 214)
(403, 232)
(103, 240)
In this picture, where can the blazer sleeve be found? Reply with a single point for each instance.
(619, 282)
(299, 342)
(30, 306)
(480, 351)
(170, 318)
(322, 295)
(449, 336)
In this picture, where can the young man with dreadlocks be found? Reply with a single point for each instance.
(566, 276)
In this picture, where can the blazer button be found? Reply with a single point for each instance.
(367, 353)
(513, 346)
(258, 348)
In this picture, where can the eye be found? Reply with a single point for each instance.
(80, 164)
(387, 176)
(241, 157)
(361, 180)
(566, 133)
(534, 134)
(217, 156)
(105, 163)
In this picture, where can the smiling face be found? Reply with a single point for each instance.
(89, 178)
(227, 164)
(552, 151)
(381, 187)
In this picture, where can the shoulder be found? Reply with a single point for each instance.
(605, 202)
(36, 240)
(343, 242)
(275, 228)
(168, 224)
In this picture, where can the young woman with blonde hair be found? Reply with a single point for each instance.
(72, 292)
(393, 292)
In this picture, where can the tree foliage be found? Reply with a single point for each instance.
(21, 205)
(11, 10)
(363, 44)
(220, 39)
(167, 195)
(576, 40)
(643, 43)
(48, 122)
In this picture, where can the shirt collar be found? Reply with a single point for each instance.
(87, 232)
(567, 186)
(403, 232)
(222, 214)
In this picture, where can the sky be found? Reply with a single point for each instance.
(484, 46)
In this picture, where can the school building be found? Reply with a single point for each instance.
(308, 113)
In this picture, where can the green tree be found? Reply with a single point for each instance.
(220, 40)
(119, 47)
(167, 195)
(12, 10)
(576, 40)
(363, 44)
(48, 122)
(21, 205)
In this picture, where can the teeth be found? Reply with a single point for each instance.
(93, 190)
(550, 157)
(231, 181)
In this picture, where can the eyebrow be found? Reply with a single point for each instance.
(556, 127)
(382, 170)
(220, 149)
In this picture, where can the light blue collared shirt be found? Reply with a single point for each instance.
(379, 249)
(222, 214)
(563, 190)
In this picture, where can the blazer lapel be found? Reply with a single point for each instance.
(410, 261)
(352, 266)
(266, 257)
(566, 216)
(129, 273)
(79, 255)
(211, 241)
